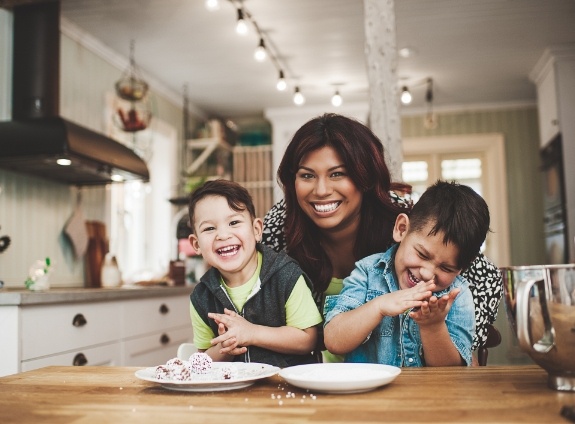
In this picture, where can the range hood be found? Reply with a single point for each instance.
(37, 138)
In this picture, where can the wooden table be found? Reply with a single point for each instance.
(418, 395)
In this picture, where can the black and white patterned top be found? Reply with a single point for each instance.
(484, 277)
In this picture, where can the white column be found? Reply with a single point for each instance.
(381, 56)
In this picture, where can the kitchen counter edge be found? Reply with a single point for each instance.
(11, 297)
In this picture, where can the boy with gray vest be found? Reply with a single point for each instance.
(254, 304)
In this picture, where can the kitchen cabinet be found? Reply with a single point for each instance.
(547, 105)
(131, 331)
(554, 75)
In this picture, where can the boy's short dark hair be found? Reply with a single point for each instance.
(238, 198)
(457, 211)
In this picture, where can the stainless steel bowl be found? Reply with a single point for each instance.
(540, 304)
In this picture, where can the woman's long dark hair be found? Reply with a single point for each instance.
(363, 157)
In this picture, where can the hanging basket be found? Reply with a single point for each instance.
(131, 88)
(135, 117)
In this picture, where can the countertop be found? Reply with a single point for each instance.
(23, 297)
(62, 395)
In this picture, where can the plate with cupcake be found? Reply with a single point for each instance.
(200, 374)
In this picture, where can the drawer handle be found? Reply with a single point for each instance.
(79, 321)
(80, 360)
(164, 309)
(165, 339)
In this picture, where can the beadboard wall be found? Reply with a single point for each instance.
(33, 211)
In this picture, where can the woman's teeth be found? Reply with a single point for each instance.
(326, 207)
(228, 250)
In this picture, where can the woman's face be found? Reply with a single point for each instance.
(325, 192)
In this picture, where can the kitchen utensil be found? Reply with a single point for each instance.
(540, 304)
(97, 249)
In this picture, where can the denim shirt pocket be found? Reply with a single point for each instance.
(385, 327)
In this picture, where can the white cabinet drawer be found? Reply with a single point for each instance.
(155, 349)
(157, 314)
(109, 355)
(53, 329)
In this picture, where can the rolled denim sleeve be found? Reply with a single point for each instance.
(352, 295)
(461, 323)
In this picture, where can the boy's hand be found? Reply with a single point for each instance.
(434, 310)
(397, 302)
(234, 332)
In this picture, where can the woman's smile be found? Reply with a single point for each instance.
(326, 207)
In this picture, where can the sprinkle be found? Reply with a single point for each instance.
(281, 402)
(246, 399)
(301, 401)
(121, 388)
(273, 396)
(279, 396)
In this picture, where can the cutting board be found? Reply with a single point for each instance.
(97, 248)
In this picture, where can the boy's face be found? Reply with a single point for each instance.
(421, 257)
(226, 238)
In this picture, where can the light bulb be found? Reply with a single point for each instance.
(241, 25)
(212, 4)
(281, 84)
(298, 98)
(336, 100)
(261, 53)
(405, 96)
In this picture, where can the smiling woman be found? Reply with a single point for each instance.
(340, 206)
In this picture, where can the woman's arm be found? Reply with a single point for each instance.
(486, 285)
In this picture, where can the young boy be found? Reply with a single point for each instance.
(408, 306)
(253, 305)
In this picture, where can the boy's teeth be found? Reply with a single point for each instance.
(228, 250)
(326, 208)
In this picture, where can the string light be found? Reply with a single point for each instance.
(298, 98)
(212, 5)
(406, 96)
(241, 25)
(266, 49)
(261, 53)
(281, 84)
(336, 100)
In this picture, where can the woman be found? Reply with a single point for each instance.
(340, 206)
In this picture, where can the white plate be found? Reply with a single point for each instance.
(247, 374)
(340, 377)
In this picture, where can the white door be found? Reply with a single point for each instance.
(475, 160)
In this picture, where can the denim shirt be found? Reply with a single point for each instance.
(396, 340)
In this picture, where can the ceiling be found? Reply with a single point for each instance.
(476, 51)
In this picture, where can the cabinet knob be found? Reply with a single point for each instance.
(165, 339)
(79, 321)
(80, 360)
(164, 309)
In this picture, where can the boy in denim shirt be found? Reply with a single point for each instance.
(408, 306)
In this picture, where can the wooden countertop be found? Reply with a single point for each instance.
(510, 394)
(21, 297)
